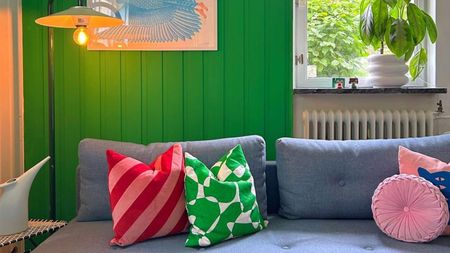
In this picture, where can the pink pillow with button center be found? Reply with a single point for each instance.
(410, 208)
(430, 168)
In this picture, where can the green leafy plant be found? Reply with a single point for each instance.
(334, 46)
(402, 26)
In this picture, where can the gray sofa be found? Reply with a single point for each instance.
(317, 198)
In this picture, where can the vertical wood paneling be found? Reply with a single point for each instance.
(35, 103)
(67, 103)
(90, 97)
(152, 97)
(173, 96)
(254, 67)
(131, 96)
(243, 88)
(68, 129)
(275, 71)
(213, 78)
(193, 95)
(234, 67)
(111, 106)
(59, 52)
(288, 60)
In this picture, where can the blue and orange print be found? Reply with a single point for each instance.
(157, 21)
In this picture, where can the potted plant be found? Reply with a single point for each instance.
(402, 26)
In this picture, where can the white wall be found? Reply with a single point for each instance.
(351, 102)
(11, 102)
(443, 56)
(11, 127)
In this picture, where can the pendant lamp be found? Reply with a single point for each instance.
(80, 18)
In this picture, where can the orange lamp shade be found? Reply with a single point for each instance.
(79, 16)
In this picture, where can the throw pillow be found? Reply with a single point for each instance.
(221, 202)
(432, 169)
(147, 201)
(410, 208)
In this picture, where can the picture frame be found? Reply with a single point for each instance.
(157, 25)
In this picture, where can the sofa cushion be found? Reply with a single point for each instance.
(336, 179)
(221, 201)
(430, 168)
(92, 172)
(147, 201)
(306, 236)
(409, 208)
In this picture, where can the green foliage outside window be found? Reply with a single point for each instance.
(334, 45)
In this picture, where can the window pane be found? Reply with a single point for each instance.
(334, 46)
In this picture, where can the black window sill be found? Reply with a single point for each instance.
(405, 90)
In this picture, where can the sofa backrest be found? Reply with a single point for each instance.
(336, 179)
(92, 180)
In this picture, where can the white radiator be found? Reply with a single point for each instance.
(361, 125)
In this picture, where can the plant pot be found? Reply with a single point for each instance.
(387, 71)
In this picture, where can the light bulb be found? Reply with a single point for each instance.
(81, 36)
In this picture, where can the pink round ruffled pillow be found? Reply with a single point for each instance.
(409, 208)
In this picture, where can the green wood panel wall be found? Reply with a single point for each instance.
(243, 88)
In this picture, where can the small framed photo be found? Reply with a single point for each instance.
(338, 83)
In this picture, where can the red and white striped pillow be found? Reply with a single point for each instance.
(147, 201)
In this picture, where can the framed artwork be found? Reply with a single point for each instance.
(167, 25)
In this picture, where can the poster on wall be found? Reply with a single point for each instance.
(167, 25)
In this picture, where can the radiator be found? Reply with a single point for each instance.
(361, 125)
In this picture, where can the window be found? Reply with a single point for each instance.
(327, 42)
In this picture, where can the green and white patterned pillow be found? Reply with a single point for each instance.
(221, 202)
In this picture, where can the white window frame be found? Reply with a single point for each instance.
(301, 51)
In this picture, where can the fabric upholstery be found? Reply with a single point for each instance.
(336, 179)
(305, 236)
(273, 196)
(147, 201)
(221, 200)
(409, 208)
(92, 172)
